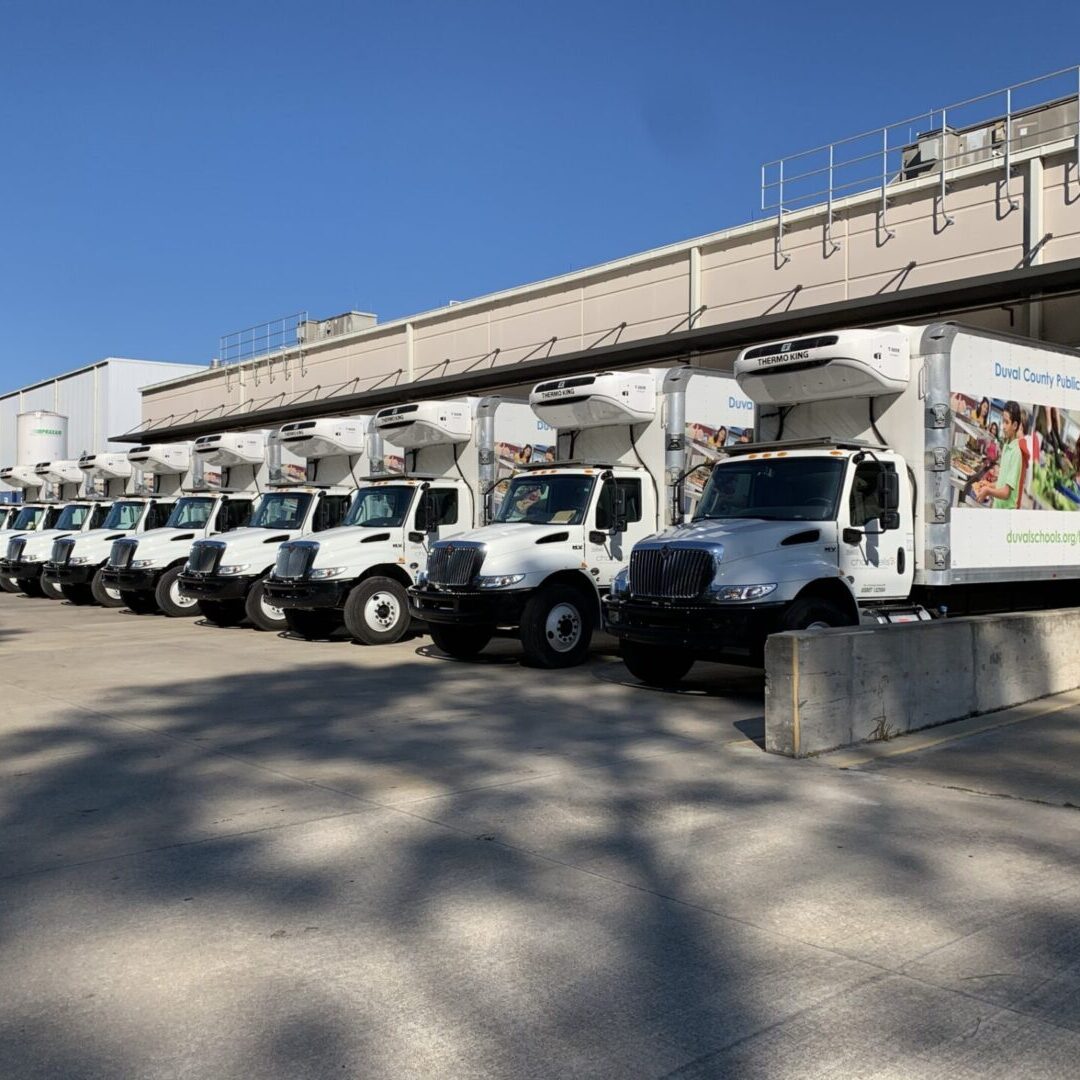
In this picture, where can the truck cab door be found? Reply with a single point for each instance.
(619, 522)
(436, 515)
(876, 560)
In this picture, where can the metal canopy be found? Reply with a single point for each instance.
(923, 302)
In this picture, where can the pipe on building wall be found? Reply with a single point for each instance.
(695, 285)
(409, 352)
(1034, 236)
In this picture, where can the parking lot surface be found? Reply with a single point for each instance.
(233, 854)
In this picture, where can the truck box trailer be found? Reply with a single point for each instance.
(905, 473)
(217, 495)
(452, 452)
(630, 449)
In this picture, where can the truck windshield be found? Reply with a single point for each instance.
(281, 510)
(383, 506)
(124, 515)
(777, 489)
(562, 499)
(190, 513)
(28, 517)
(72, 517)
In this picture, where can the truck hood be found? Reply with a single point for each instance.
(34, 542)
(166, 544)
(96, 544)
(501, 539)
(742, 537)
(353, 545)
(257, 546)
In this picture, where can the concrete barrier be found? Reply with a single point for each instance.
(830, 688)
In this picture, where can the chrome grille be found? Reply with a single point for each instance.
(205, 556)
(454, 563)
(61, 551)
(15, 549)
(123, 551)
(294, 559)
(670, 572)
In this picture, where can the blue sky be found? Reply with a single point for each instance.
(176, 171)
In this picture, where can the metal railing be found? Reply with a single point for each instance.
(990, 127)
(262, 339)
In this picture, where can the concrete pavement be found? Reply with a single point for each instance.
(254, 856)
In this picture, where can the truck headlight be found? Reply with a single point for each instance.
(141, 564)
(743, 592)
(79, 560)
(620, 585)
(499, 581)
(236, 568)
(328, 572)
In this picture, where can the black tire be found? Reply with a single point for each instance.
(222, 612)
(261, 614)
(557, 626)
(142, 603)
(812, 612)
(655, 666)
(51, 589)
(79, 595)
(9, 585)
(377, 611)
(30, 586)
(103, 594)
(170, 600)
(312, 625)
(460, 642)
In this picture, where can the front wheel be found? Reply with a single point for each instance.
(460, 642)
(170, 599)
(79, 595)
(222, 612)
(377, 611)
(262, 613)
(52, 589)
(312, 625)
(104, 594)
(814, 613)
(140, 602)
(9, 585)
(655, 666)
(30, 586)
(557, 626)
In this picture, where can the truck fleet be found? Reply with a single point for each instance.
(858, 476)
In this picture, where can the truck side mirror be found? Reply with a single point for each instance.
(427, 517)
(888, 491)
(619, 513)
(890, 519)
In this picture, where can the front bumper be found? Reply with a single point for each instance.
(308, 595)
(706, 631)
(22, 570)
(214, 586)
(130, 580)
(497, 607)
(68, 574)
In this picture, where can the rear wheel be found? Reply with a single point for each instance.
(222, 612)
(262, 613)
(105, 595)
(557, 626)
(142, 603)
(30, 586)
(377, 611)
(312, 625)
(460, 642)
(78, 595)
(9, 585)
(654, 666)
(170, 599)
(51, 589)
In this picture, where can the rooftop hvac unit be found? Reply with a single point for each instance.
(232, 448)
(847, 364)
(428, 423)
(334, 436)
(606, 397)
(21, 476)
(105, 466)
(60, 472)
(348, 323)
(162, 459)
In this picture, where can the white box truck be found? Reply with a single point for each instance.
(905, 473)
(216, 495)
(25, 556)
(75, 564)
(630, 449)
(454, 452)
(312, 476)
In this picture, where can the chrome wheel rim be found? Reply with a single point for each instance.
(382, 611)
(178, 598)
(271, 612)
(563, 628)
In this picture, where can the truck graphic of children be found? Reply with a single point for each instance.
(1004, 492)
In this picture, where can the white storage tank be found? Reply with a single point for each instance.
(40, 436)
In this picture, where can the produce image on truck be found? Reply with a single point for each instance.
(628, 443)
(25, 556)
(312, 474)
(885, 490)
(217, 491)
(356, 575)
